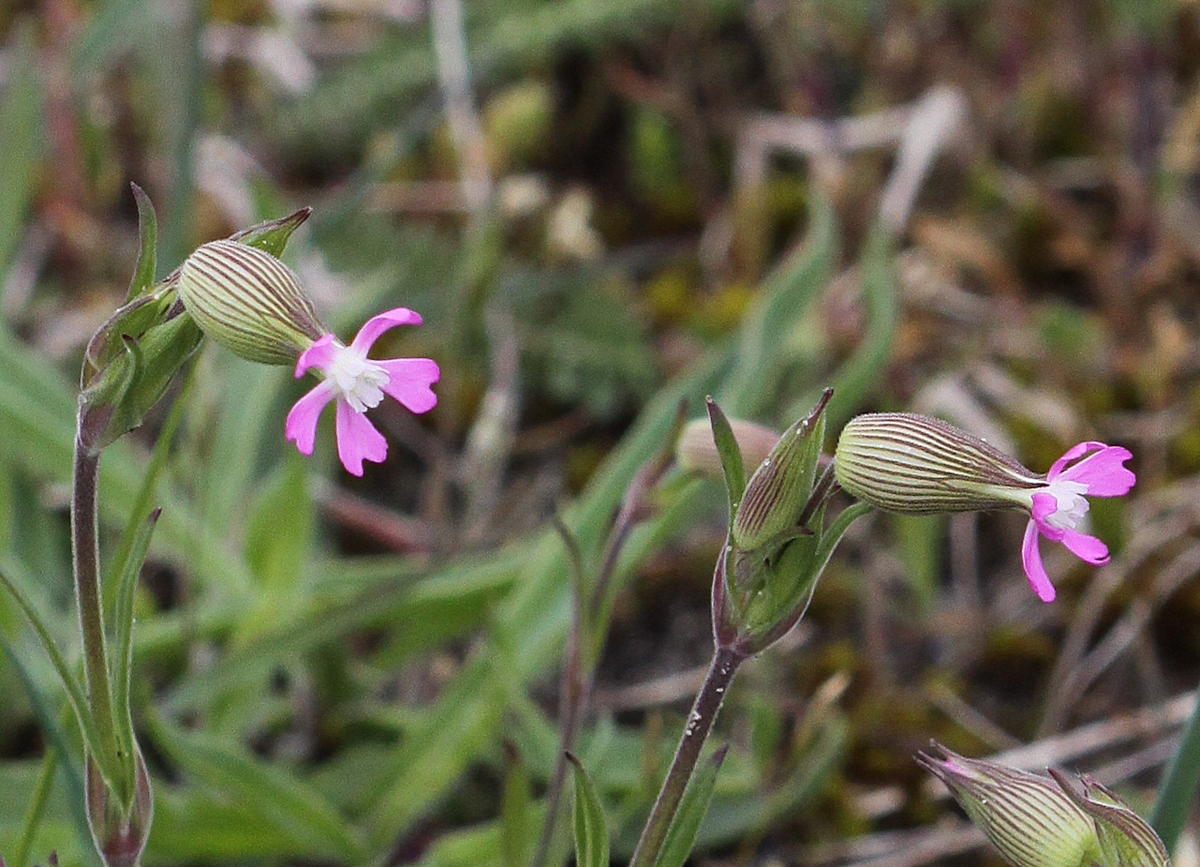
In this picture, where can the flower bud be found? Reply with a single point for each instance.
(778, 542)
(902, 462)
(779, 490)
(697, 452)
(1027, 817)
(249, 302)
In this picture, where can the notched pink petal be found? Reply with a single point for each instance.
(357, 439)
(1104, 472)
(409, 381)
(1075, 451)
(1031, 559)
(1087, 548)
(376, 325)
(319, 355)
(301, 424)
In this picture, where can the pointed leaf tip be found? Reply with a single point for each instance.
(732, 466)
(591, 827)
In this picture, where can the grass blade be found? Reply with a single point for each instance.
(591, 828)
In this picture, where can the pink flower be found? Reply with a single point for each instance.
(912, 464)
(358, 383)
(1057, 507)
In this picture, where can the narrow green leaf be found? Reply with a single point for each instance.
(681, 836)
(196, 824)
(919, 540)
(864, 368)
(134, 527)
(1178, 789)
(448, 603)
(786, 296)
(275, 549)
(37, 807)
(515, 812)
(74, 692)
(52, 723)
(123, 650)
(233, 463)
(732, 465)
(147, 261)
(591, 828)
(37, 427)
(106, 37)
(20, 132)
(445, 744)
(285, 801)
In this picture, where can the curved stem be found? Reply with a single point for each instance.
(86, 561)
(724, 666)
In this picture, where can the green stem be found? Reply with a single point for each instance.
(86, 560)
(1178, 789)
(724, 666)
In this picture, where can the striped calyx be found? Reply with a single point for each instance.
(249, 302)
(1030, 820)
(779, 490)
(903, 462)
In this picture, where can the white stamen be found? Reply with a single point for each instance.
(355, 378)
(1071, 504)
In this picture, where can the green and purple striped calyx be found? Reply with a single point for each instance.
(903, 462)
(1027, 817)
(778, 542)
(1040, 821)
(248, 301)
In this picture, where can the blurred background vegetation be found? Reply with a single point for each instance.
(984, 211)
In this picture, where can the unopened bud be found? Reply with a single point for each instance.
(249, 302)
(1030, 820)
(779, 490)
(902, 462)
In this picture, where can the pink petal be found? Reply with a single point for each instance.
(1031, 558)
(1103, 472)
(376, 325)
(1087, 548)
(1045, 505)
(1071, 454)
(301, 424)
(357, 439)
(409, 381)
(319, 355)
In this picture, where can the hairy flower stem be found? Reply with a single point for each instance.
(86, 562)
(724, 666)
